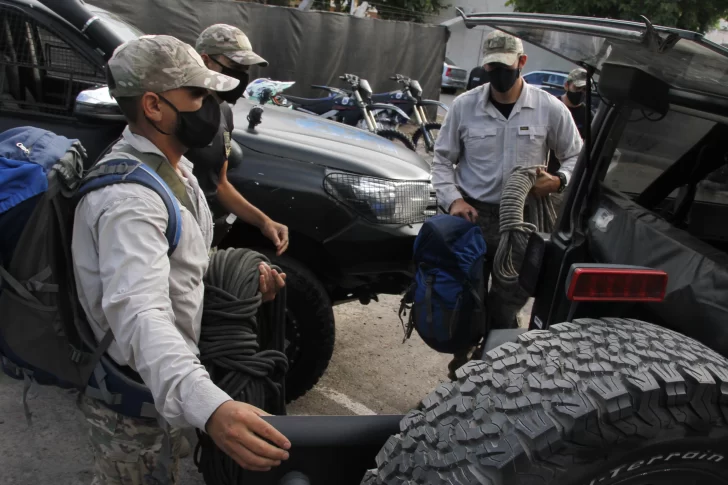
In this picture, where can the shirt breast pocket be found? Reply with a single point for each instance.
(480, 142)
(531, 145)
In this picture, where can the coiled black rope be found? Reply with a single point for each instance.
(241, 346)
(515, 229)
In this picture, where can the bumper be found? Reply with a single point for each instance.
(378, 256)
(454, 83)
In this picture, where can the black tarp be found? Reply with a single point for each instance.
(306, 47)
(696, 300)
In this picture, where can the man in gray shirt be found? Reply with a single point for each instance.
(151, 300)
(488, 132)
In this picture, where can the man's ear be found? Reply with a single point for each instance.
(206, 59)
(150, 105)
(522, 61)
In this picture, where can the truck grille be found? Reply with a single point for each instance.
(431, 209)
(49, 72)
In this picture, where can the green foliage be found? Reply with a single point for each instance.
(406, 10)
(696, 15)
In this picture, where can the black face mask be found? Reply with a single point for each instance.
(233, 95)
(575, 97)
(195, 129)
(503, 78)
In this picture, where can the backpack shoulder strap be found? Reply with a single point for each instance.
(125, 170)
(167, 173)
(163, 168)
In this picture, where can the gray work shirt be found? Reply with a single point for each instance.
(152, 302)
(485, 147)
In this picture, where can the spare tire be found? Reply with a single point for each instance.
(593, 402)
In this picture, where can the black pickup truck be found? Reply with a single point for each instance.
(353, 201)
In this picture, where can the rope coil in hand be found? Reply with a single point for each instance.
(236, 325)
(517, 200)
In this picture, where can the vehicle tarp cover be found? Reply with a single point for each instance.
(302, 46)
(620, 230)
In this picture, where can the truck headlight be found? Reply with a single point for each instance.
(380, 200)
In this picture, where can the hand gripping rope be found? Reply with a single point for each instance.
(236, 325)
(516, 201)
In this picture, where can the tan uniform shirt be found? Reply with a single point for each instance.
(151, 301)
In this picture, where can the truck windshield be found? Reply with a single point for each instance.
(120, 27)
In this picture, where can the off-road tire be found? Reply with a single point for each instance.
(398, 136)
(420, 135)
(593, 402)
(307, 302)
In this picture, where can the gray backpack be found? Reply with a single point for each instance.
(44, 336)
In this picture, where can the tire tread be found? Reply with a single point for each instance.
(537, 407)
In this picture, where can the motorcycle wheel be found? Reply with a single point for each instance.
(397, 136)
(433, 129)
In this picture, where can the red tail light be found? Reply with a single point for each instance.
(616, 284)
(447, 73)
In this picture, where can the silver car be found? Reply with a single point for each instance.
(453, 77)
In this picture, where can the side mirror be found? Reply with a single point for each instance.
(97, 104)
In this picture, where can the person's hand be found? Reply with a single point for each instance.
(278, 234)
(460, 208)
(545, 183)
(238, 429)
(270, 282)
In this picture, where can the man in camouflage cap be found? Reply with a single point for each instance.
(152, 300)
(502, 48)
(575, 96)
(227, 50)
(229, 41)
(487, 132)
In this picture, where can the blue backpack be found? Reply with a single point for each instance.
(446, 299)
(44, 336)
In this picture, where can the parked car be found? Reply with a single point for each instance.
(453, 77)
(352, 200)
(553, 82)
(548, 81)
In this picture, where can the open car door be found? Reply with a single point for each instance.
(683, 59)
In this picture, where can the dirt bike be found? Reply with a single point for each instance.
(409, 98)
(354, 108)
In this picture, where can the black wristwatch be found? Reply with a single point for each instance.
(562, 179)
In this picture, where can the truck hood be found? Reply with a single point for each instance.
(298, 136)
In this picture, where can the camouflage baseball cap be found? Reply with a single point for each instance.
(158, 63)
(577, 77)
(229, 41)
(502, 48)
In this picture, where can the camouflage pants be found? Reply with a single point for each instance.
(503, 302)
(126, 449)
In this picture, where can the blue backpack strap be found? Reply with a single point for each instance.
(132, 171)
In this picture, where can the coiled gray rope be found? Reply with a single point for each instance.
(516, 200)
(236, 325)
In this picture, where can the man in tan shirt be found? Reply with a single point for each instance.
(152, 301)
